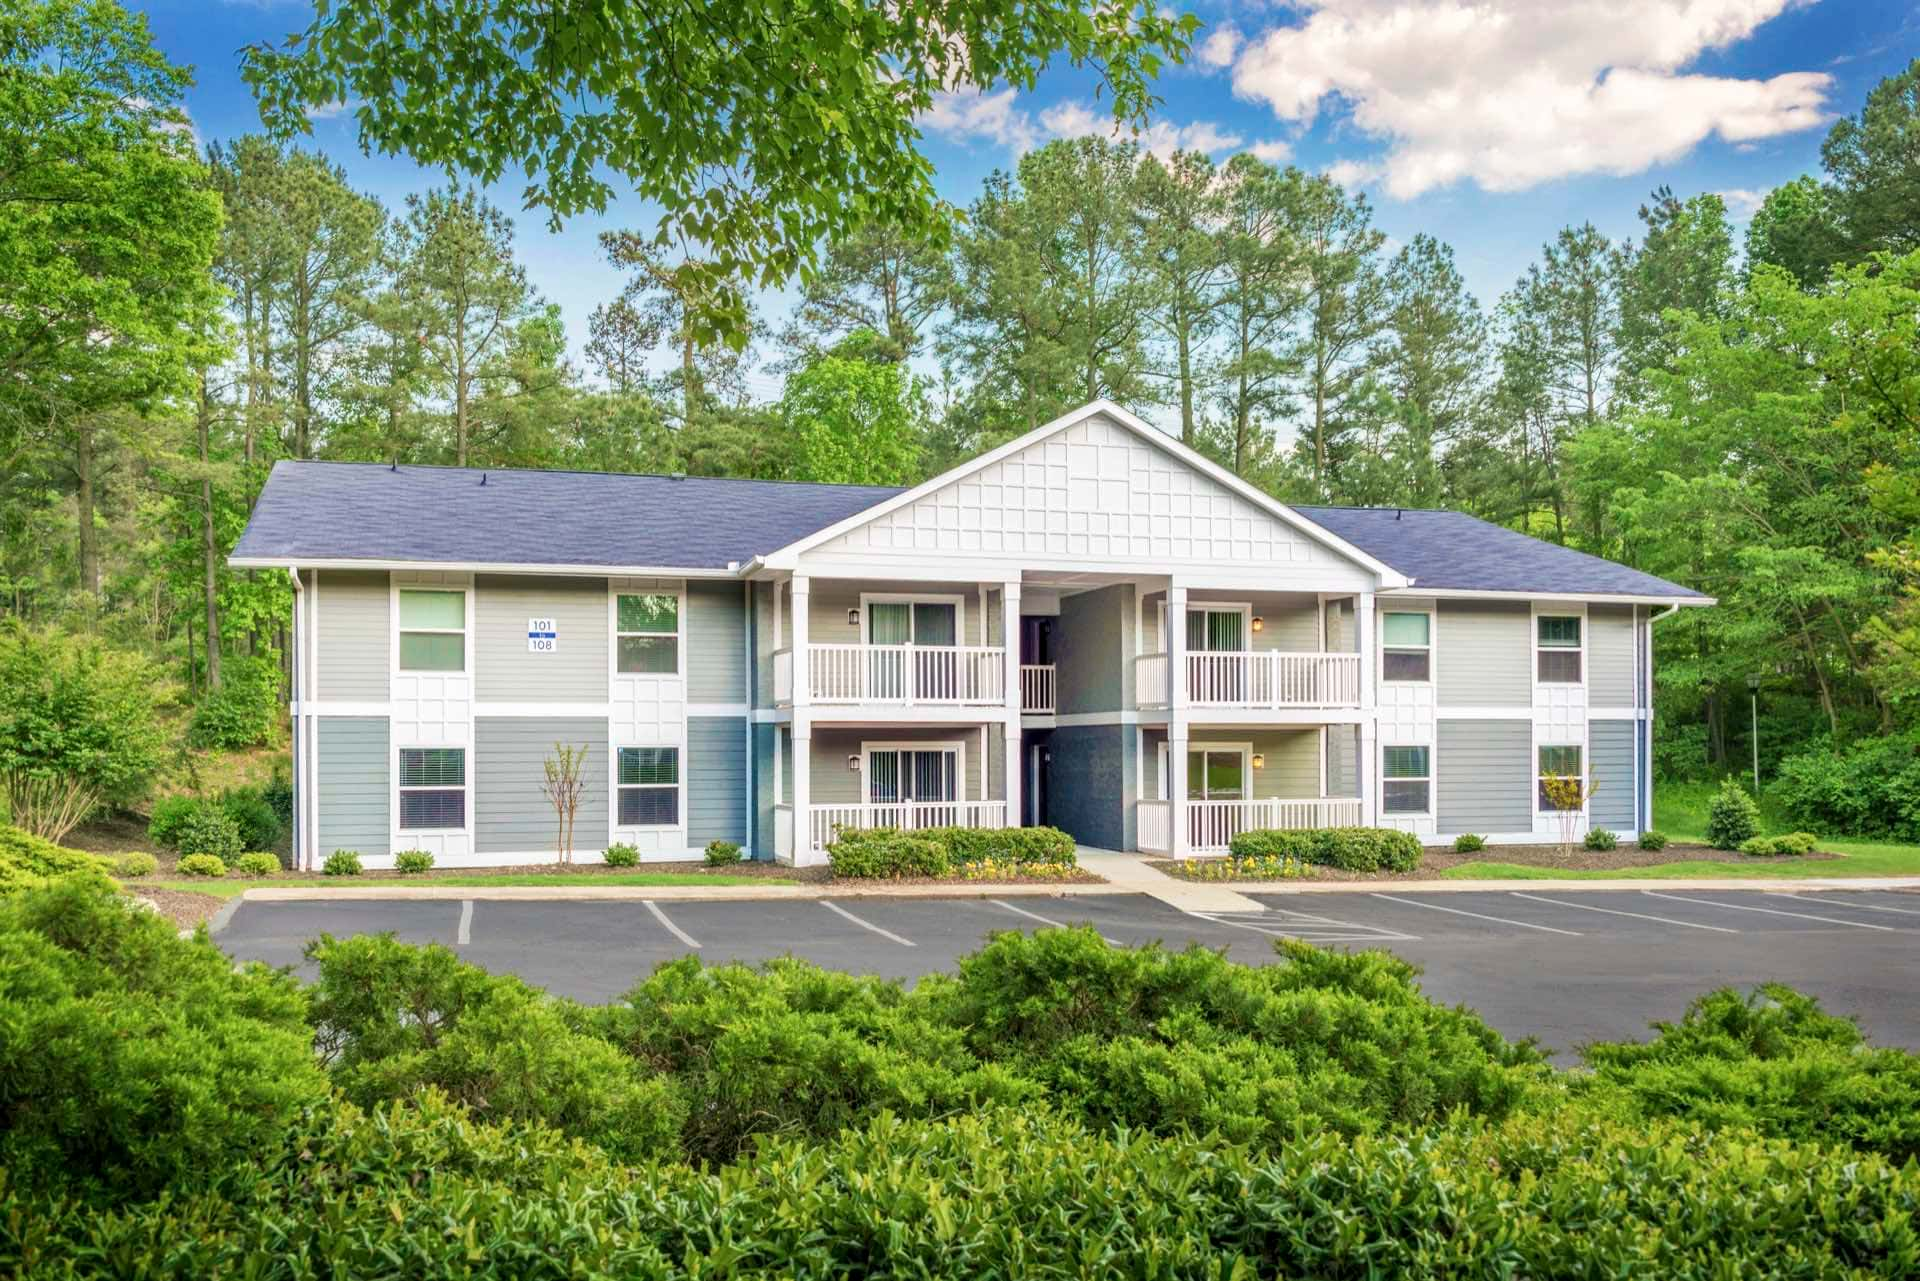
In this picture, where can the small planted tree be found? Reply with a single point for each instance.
(566, 780)
(1567, 795)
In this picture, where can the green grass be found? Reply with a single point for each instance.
(230, 886)
(1680, 810)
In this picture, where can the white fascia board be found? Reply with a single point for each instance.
(1596, 598)
(936, 567)
(787, 557)
(485, 567)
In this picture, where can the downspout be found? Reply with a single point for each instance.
(301, 831)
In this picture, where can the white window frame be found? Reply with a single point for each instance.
(1428, 778)
(679, 632)
(1431, 649)
(400, 789)
(679, 784)
(1579, 616)
(1539, 775)
(1165, 764)
(464, 631)
(1242, 608)
(958, 601)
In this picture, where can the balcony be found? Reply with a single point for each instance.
(1036, 688)
(1212, 825)
(825, 820)
(903, 675)
(1264, 679)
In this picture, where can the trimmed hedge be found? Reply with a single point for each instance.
(1045, 845)
(1354, 849)
(1786, 843)
(258, 863)
(135, 863)
(203, 865)
(886, 853)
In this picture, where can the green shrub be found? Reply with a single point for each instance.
(133, 1060)
(253, 817)
(1235, 867)
(201, 865)
(170, 815)
(722, 853)
(135, 863)
(1469, 843)
(1869, 788)
(341, 863)
(412, 862)
(1732, 817)
(258, 863)
(243, 711)
(1652, 840)
(392, 1020)
(278, 795)
(1038, 846)
(1599, 838)
(886, 853)
(208, 830)
(1353, 849)
(30, 862)
(620, 854)
(1788, 843)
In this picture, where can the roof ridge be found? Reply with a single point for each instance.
(584, 471)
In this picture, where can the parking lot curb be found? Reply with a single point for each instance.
(1764, 883)
(665, 893)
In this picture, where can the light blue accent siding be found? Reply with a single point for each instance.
(716, 641)
(1612, 772)
(763, 743)
(506, 780)
(355, 792)
(716, 779)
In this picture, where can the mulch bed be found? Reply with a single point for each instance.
(1438, 858)
(183, 908)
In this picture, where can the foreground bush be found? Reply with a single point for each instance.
(132, 1060)
(29, 862)
(1353, 849)
(1869, 788)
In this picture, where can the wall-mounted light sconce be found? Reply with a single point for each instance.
(1259, 623)
(853, 761)
(1259, 760)
(853, 618)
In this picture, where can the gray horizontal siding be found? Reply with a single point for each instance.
(1087, 649)
(1611, 771)
(1484, 776)
(505, 671)
(355, 636)
(716, 771)
(832, 783)
(1610, 680)
(716, 641)
(1343, 755)
(354, 787)
(1484, 654)
(511, 813)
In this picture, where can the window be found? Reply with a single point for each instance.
(1408, 780)
(1408, 653)
(1559, 641)
(1563, 760)
(433, 788)
(649, 787)
(433, 631)
(648, 634)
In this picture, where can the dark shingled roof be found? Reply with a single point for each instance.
(1440, 549)
(367, 511)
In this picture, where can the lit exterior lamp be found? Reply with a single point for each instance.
(1259, 623)
(1259, 760)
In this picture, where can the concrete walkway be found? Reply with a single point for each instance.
(1132, 874)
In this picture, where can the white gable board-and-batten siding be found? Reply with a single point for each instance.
(1091, 494)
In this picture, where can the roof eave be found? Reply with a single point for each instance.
(1601, 598)
(484, 567)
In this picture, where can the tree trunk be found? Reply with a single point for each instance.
(83, 499)
(460, 413)
(1185, 341)
(209, 546)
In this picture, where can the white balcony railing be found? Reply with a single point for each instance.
(1212, 825)
(1254, 679)
(962, 674)
(827, 819)
(1036, 687)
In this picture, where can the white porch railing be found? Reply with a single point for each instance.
(1212, 825)
(1254, 679)
(1036, 687)
(907, 814)
(961, 674)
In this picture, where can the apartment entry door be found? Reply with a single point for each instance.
(913, 787)
(897, 674)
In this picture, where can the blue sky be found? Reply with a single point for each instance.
(1487, 123)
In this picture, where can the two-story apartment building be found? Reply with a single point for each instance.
(1091, 626)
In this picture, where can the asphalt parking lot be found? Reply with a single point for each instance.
(1560, 964)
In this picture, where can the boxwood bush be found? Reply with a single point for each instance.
(28, 861)
(341, 863)
(1042, 845)
(621, 854)
(209, 830)
(1600, 838)
(1785, 843)
(135, 863)
(413, 862)
(258, 863)
(1353, 849)
(201, 865)
(1469, 843)
(722, 853)
(886, 853)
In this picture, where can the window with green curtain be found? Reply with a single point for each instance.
(1559, 631)
(889, 622)
(647, 641)
(1406, 630)
(433, 631)
(1214, 631)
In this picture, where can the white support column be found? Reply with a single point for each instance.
(802, 669)
(1177, 719)
(1367, 768)
(803, 851)
(1010, 753)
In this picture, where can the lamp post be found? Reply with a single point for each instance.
(1753, 694)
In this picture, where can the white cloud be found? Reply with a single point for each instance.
(1161, 137)
(333, 110)
(1221, 44)
(1741, 202)
(1511, 93)
(967, 115)
(1273, 151)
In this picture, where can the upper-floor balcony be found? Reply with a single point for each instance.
(908, 675)
(1253, 679)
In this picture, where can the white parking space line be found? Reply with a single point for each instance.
(1046, 920)
(1320, 929)
(1840, 902)
(1480, 916)
(1614, 911)
(465, 934)
(1772, 911)
(831, 906)
(672, 929)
